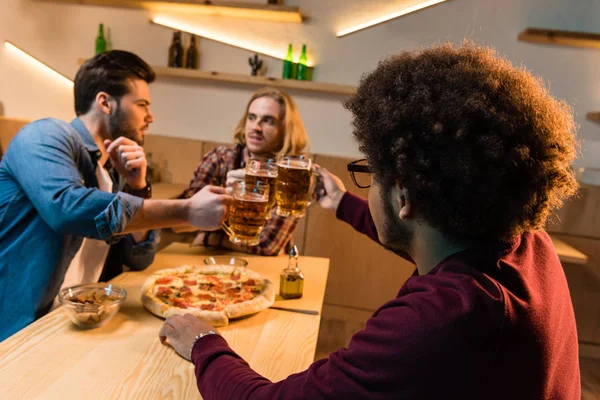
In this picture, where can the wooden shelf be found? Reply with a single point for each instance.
(593, 116)
(267, 12)
(310, 86)
(562, 38)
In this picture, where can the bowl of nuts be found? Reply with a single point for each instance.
(92, 305)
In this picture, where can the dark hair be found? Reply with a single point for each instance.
(481, 146)
(108, 72)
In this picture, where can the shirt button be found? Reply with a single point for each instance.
(103, 229)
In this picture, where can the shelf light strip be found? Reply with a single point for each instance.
(37, 62)
(388, 17)
(219, 37)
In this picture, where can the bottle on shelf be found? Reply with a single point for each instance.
(176, 51)
(192, 55)
(302, 67)
(288, 64)
(291, 280)
(100, 40)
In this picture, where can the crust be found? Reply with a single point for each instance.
(215, 318)
(257, 304)
(151, 303)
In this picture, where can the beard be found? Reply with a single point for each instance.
(119, 125)
(397, 236)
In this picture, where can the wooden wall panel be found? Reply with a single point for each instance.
(585, 294)
(580, 215)
(362, 274)
(588, 246)
(8, 129)
(179, 157)
(208, 146)
(338, 325)
(577, 223)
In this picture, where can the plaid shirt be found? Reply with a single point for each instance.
(212, 170)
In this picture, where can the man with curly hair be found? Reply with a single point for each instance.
(468, 155)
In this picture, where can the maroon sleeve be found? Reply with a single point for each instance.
(355, 211)
(407, 342)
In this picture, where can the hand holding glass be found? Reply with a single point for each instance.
(247, 213)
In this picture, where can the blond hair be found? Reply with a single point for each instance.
(295, 139)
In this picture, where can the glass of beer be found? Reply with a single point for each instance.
(263, 170)
(247, 213)
(293, 185)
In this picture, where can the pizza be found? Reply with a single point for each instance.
(215, 293)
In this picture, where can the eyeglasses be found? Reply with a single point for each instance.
(360, 173)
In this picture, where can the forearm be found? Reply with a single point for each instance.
(157, 214)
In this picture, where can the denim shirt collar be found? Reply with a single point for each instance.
(88, 141)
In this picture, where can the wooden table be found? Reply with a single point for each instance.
(52, 359)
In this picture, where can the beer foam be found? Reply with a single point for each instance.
(262, 173)
(294, 164)
(255, 198)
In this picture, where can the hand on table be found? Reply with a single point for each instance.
(181, 332)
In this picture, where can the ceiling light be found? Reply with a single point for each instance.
(388, 17)
(243, 43)
(34, 61)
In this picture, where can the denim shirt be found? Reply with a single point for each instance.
(49, 202)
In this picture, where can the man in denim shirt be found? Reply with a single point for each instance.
(61, 184)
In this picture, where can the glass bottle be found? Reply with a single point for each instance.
(288, 64)
(301, 75)
(100, 40)
(291, 280)
(176, 51)
(191, 60)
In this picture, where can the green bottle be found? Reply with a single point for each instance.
(288, 64)
(301, 75)
(100, 41)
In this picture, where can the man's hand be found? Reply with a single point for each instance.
(129, 159)
(181, 331)
(208, 208)
(330, 189)
(234, 176)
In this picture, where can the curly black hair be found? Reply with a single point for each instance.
(481, 146)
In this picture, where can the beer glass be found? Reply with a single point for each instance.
(293, 185)
(247, 213)
(262, 170)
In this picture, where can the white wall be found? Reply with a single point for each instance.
(60, 34)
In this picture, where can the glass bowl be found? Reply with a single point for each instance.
(92, 305)
(225, 260)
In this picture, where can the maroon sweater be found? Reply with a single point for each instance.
(492, 322)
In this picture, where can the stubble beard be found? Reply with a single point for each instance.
(119, 125)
